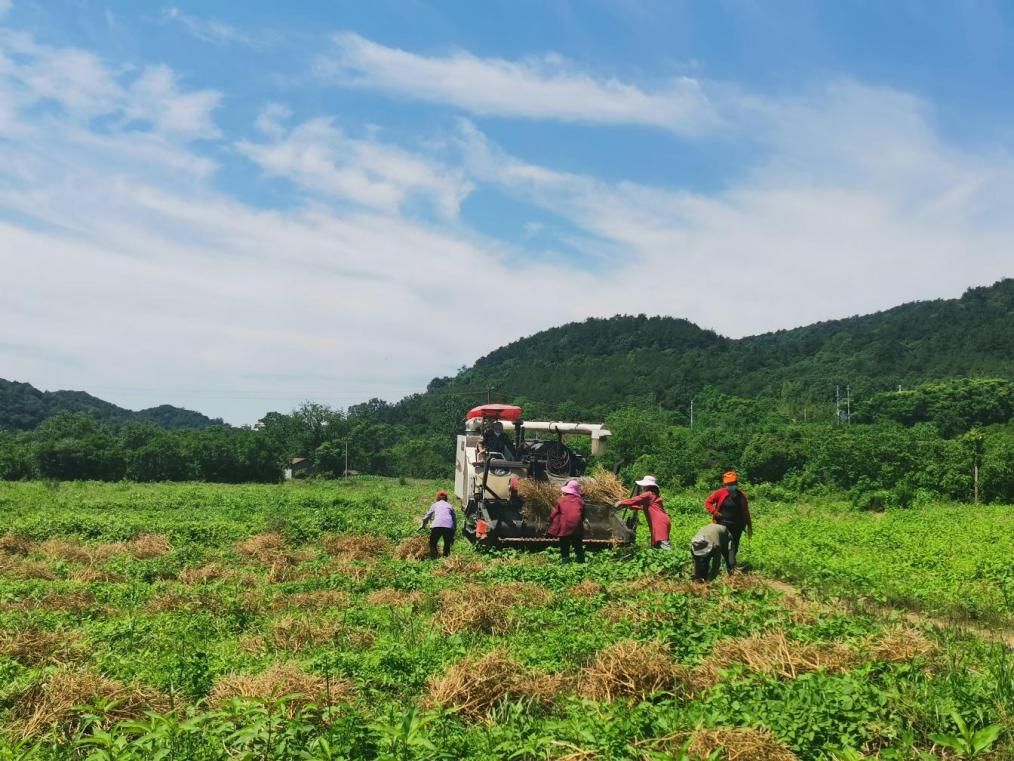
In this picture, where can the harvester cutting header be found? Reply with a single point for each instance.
(508, 471)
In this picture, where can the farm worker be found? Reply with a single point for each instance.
(708, 547)
(566, 522)
(444, 520)
(729, 507)
(650, 501)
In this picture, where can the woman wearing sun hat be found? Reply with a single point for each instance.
(566, 522)
(650, 501)
(729, 507)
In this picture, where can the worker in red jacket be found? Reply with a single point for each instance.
(729, 507)
(650, 501)
(566, 522)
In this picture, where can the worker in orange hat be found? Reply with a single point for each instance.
(729, 507)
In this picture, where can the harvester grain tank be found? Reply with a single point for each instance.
(497, 450)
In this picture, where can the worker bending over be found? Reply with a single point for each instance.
(729, 507)
(650, 501)
(708, 547)
(444, 520)
(566, 522)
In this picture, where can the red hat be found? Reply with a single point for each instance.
(729, 477)
(441, 495)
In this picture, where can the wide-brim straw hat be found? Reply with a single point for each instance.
(647, 481)
(572, 487)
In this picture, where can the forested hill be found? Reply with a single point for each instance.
(23, 407)
(592, 367)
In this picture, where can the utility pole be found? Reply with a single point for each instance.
(691, 412)
(346, 458)
(489, 394)
(848, 405)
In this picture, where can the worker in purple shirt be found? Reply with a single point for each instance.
(444, 520)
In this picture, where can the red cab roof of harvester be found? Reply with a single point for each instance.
(495, 412)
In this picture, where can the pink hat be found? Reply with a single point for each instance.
(647, 481)
(572, 487)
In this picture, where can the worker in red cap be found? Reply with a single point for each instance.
(444, 520)
(650, 500)
(729, 507)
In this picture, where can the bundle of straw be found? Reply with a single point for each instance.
(602, 487)
(599, 488)
(539, 498)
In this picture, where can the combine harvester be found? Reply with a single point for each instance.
(497, 451)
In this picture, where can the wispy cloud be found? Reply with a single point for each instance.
(5, 6)
(320, 157)
(214, 30)
(538, 88)
(858, 205)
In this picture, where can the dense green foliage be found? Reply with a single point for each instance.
(600, 364)
(178, 622)
(23, 407)
(763, 404)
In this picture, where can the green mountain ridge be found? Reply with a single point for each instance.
(598, 364)
(588, 369)
(23, 407)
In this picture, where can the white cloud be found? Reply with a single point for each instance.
(134, 272)
(545, 88)
(322, 158)
(859, 206)
(86, 87)
(271, 120)
(155, 97)
(5, 6)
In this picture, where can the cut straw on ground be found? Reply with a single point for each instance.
(282, 681)
(475, 685)
(632, 669)
(62, 698)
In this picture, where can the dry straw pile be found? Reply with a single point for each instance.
(356, 546)
(293, 634)
(13, 567)
(413, 548)
(282, 680)
(63, 696)
(203, 574)
(775, 654)
(632, 669)
(32, 646)
(740, 744)
(394, 598)
(141, 547)
(459, 565)
(475, 685)
(319, 599)
(13, 543)
(490, 610)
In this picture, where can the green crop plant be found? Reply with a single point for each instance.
(241, 628)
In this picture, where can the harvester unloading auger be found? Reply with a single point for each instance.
(497, 451)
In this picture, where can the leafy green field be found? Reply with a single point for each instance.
(279, 622)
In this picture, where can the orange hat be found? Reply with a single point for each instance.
(441, 495)
(729, 477)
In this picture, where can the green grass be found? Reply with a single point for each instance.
(117, 613)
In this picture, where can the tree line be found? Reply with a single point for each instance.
(930, 440)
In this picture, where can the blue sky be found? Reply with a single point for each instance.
(238, 206)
